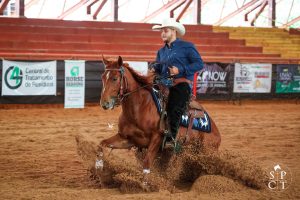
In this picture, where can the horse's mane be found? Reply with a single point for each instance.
(141, 79)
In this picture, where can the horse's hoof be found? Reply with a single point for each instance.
(99, 164)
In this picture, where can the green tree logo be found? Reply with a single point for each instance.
(75, 71)
(13, 77)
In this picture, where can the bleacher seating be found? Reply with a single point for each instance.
(272, 40)
(46, 39)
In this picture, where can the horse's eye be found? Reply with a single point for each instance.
(115, 78)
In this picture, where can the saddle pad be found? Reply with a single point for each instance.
(201, 124)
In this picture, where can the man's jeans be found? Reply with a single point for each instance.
(179, 97)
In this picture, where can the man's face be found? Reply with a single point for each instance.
(168, 34)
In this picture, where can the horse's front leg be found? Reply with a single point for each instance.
(103, 173)
(153, 148)
(114, 142)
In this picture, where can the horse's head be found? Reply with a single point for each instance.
(112, 79)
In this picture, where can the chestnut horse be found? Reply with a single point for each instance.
(139, 120)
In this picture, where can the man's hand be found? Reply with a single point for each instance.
(151, 71)
(173, 70)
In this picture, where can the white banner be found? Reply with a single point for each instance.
(28, 78)
(74, 83)
(141, 67)
(252, 78)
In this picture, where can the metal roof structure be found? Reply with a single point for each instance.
(258, 13)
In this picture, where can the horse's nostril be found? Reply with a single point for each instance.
(105, 105)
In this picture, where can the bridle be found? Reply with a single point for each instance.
(123, 81)
(124, 85)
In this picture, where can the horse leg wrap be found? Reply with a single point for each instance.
(146, 171)
(99, 164)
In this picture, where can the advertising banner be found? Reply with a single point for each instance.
(74, 83)
(288, 79)
(252, 78)
(28, 78)
(141, 67)
(214, 79)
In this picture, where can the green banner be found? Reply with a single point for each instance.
(288, 79)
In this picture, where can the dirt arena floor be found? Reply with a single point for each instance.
(39, 159)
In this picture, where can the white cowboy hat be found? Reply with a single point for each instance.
(171, 23)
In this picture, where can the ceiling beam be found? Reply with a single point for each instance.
(291, 22)
(263, 6)
(3, 5)
(160, 10)
(241, 9)
(184, 10)
(89, 7)
(99, 9)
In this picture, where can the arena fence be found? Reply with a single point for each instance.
(217, 81)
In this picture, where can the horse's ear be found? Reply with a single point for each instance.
(120, 61)
(104, 60)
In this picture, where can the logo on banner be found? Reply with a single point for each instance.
(244, 71)
(244, 75)
(75, 71)
(213, 78)
(13, 77)
(280, 177)
(285, 76)
(74, 80)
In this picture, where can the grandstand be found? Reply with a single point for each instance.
(46, 39)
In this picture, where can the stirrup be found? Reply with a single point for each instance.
(166, 135)
(177, 147)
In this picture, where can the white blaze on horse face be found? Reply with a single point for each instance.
(104, 83)
(107, 75)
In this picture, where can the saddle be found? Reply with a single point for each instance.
(195, 116)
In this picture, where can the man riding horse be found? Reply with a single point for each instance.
(181, 60)
(139, 122)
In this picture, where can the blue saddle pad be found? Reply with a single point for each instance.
(201, 124)
(154, 93)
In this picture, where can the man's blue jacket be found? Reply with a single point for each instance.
(180, 54)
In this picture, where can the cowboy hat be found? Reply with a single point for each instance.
(171, 23)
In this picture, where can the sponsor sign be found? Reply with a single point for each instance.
(252, 78)
(288, 79)
(74, 84)
(28, 78)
